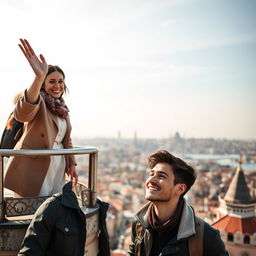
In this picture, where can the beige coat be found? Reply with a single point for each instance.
(25, 174)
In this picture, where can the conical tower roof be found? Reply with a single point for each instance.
(238, 191)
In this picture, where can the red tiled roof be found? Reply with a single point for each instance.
(246, 226)
(117, 203)
(128, 229)
(126, 191)
(118, 254)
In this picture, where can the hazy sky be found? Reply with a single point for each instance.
(155, 67)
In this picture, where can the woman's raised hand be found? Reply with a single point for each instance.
(39, 66)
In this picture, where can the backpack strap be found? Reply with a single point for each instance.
(139, 236)
(196, 242)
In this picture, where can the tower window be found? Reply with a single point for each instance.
(230, 237)
(246, 240)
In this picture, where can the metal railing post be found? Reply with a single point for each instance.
(93, 160)
(2, 202)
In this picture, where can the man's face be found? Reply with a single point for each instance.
(160, 184)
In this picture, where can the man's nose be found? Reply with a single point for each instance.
(152, 179)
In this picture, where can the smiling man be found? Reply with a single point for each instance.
(167, 225)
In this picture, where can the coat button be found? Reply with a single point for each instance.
(66, 229)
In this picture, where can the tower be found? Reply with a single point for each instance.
(237, 222)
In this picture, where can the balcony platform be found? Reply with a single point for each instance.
(13, 229)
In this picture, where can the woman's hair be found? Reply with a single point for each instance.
(53, 68)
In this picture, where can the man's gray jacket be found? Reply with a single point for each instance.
(178, 245)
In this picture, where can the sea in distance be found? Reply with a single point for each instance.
(225, 159)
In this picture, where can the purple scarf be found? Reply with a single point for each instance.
(56, 106)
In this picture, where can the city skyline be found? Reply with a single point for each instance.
(149, 66)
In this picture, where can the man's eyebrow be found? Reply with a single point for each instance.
(163, 172)
(159, 172)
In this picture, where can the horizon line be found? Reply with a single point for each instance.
(160, 138)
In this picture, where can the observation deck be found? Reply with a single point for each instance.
(16, 213)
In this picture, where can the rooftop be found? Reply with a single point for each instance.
(246, 226)
(238, 191)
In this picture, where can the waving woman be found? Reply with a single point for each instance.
(46, 126)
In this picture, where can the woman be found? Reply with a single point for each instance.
(46, 126)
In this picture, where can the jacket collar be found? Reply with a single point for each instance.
(187, 225)
(187, 221)
(69, 198)
(142, 215)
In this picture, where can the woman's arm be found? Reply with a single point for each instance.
(39, 67)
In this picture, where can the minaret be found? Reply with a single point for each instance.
(119, 135)
(135, 139)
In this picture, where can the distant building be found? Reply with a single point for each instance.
(237, 220)
(119, 136)
(135, 139)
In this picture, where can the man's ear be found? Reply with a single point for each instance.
(181, 189)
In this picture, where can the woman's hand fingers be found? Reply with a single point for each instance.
(26, 48)
(29, 47)
(24, 52)
(39, 66)
(73, 175)
(42, 58)
(74, 178)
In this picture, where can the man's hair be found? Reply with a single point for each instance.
(183, 173)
